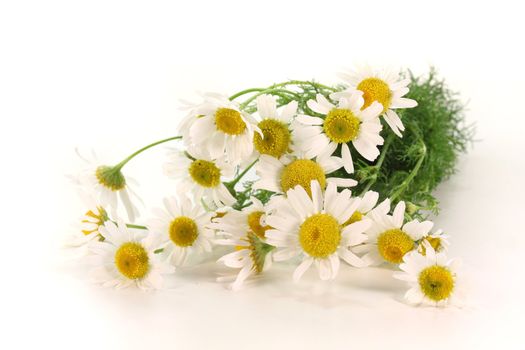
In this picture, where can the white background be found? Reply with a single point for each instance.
(109, 75)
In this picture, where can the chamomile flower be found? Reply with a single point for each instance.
(235, 223)
(126, 258)
(280, 175)
(276, 138)
(434, 280)
(366, 204)
(344, 123)
(245, 230)
(388, 238)
(107, 184)
(181, 226)
(218, 125)
(312, 227)
(438, 240)
(385, 87)
(87, 228)
(201, 175)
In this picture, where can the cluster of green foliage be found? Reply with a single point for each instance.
(409, 168)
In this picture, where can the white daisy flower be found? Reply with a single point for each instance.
(201, 175)
(87, 228)
(388, 238)
(235, 223)
(280, 175)
(366, 204)
(245, 230)
(276, 138)
(107, 184)
(313, 227)
(348, 122)
(182, 228)
(387, 88)
(434, 280)
(438, 240)
(126, 258)
(218, 125)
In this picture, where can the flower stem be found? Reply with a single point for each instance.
(239, 177)
(378, 165)
(244, 92)
(140, 227)
(412, 174)
(120, 165)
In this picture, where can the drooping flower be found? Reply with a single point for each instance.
(276, 137)
(221, 128)
(182, 227)
(201, 175)
(246, 231)
(342, 124)
(126, 258)
(433, 279)
(383, 86)
(107, 185)
(312, 227)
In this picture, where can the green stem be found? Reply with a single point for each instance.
(244, 92)
(140, 227)
(239, 177)
(120, 165)
(379, 163)
(412, 174)
(275, 88)
(270, 91)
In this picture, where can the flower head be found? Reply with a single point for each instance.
(384, 87)
(108, 186)
(181, 226)
(221, 128)
(312, 227)
(389, 238)
(341, 124)
(201, 175)
(281, 175)
(433, 279)
(275, 138)
(126, 258)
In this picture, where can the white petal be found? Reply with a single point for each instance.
(399, 214)
(301, 269)
(307, 120)
(266, 106)
(347, 158)
(351, 259)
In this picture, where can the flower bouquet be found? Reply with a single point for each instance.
(299, 171)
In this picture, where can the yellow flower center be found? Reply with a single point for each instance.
(375, 89)
(302, 172)
(436, 282)
(356, 216)
(205, 173)
(435, 242)
(229, 121)
(394, 244)
(132, 260)
(110, 177)
(276, 138)
(183, 231)
(320, 235)
(341, 125)
(254, 222)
